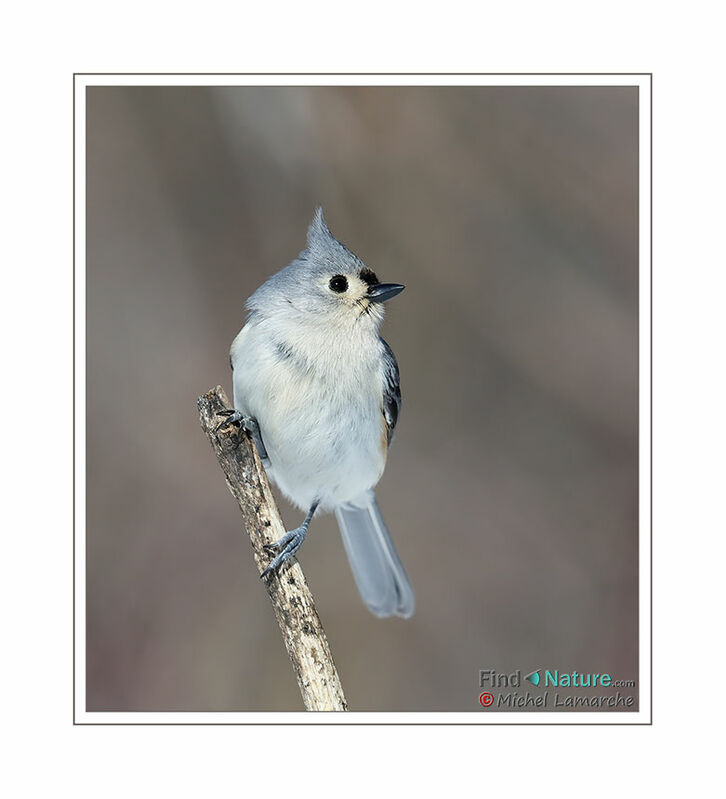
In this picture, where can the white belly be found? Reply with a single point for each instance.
(321, 423)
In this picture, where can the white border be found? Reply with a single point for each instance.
(643, 715)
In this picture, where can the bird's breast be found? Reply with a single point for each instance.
(319, 414)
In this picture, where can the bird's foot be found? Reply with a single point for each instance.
(247, 423)
(233, 417)
(286, 547)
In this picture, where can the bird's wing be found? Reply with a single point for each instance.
(391, 390)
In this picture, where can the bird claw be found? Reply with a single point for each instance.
(247, 423)
(287, 546)
(233, 417)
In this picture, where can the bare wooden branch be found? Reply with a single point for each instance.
(291, 599)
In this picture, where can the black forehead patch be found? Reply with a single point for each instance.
(369, 277)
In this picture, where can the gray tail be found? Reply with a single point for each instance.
(376, 567)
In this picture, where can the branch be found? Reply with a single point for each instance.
(291, 599)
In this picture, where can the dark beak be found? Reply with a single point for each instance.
(380, 292)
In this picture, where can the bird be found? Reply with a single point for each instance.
(318, 391)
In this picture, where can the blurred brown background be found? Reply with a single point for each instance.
(511, 489)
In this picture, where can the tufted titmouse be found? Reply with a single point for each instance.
(318, 390)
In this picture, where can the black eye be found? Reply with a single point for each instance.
(338, 284)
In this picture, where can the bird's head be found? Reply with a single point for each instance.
(329, 284)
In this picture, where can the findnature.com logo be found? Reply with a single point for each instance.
(552, 678)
